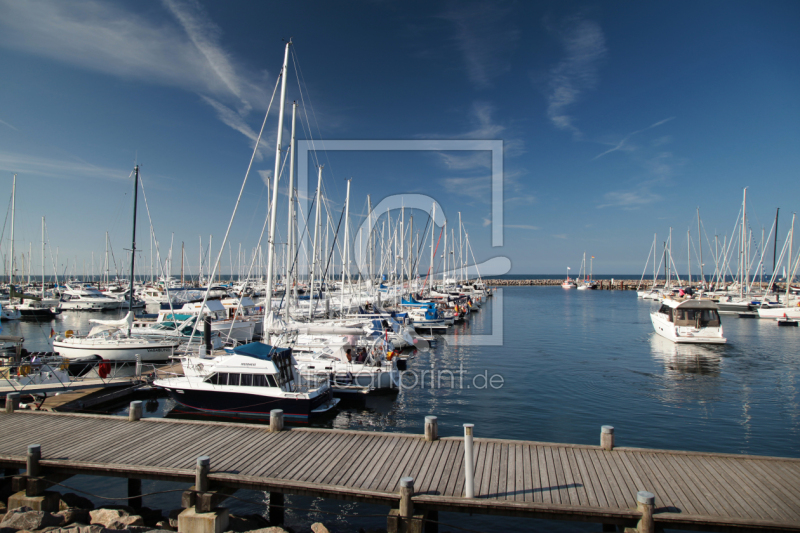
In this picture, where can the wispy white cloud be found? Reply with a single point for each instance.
(266, 176)
(478, 188)
(629, 199)
(58, 168)
(105, 37)
(3, 122)
(624, 143)
(521, 226)
(584, 49)
(484, 36)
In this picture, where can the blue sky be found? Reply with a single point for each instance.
(618, 119)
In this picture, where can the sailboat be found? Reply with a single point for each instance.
(568, 283)
(112, 340)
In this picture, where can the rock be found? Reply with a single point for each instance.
(94, 528)
(126, 522)
(319, 527)
(73, 500)
(26, 518)
(241, 524)
(273, 529)
(73, 515)
(164, 525)
(104, 517)
(173, 518)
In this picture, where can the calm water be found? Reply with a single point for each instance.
(570, 361)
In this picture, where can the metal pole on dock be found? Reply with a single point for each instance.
(469, 474)
(645, 503)
(12, 402)
(607, 438)
(276, 420)
(201, 473)
(33, 470)
(406, 492)
(431, 428)
(135, 410)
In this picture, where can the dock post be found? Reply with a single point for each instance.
(135, 411)
(33, 470)
(201, 473)
(406, 493)
(138, 365)
(607, 438)
(12, 402)
(276, 420)
(135, 493)
(275, 511)
(469, 474)
(645, 503)
(431, 428)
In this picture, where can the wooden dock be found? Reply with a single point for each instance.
(706, 491)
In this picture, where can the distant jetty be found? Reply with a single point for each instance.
(602, 284)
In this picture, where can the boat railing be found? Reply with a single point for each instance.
(28, 376)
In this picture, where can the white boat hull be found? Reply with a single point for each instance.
(116, 351)
(686, 335)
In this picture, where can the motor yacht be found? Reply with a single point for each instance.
(689, 321)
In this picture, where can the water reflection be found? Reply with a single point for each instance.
(686, 358)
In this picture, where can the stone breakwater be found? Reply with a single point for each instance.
(604, 284)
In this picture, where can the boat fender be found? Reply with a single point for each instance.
(103, 369)
(64, 365)
(23, 370)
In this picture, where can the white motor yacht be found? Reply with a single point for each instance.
(255, 379)
(86, 299)
(689, 321)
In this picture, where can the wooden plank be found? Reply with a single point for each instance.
(364, 459)
(544, 477)
(774, 484)
(428, 475)
(328, 455)
(317, 444)
(494, 475)
(283, 444)
(501, 491)
(781, 474)
(302, 449)
(623, 479)
(570, 476)
(431, 482)
(527, 474)
(728, 484)
(758, 490)
(423, 462)
(563, 491)
(586, 493)
(642, 482)
(391, 481)
(712, 489)
(519, 473)
(663, 482)
(479, 453)
(691, 480)
(400, 451)
(353, 453)
(251, 445)
(602, 492)
(446, 467)
(456, 482)
(486, 476)
(552, 476)
(610, 486)
(511, 474)
(740, 485)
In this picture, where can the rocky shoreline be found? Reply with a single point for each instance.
(78, 515)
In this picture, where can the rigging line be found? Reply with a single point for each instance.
(236, 207)
(299, 70)
(268, 305)
(330, 255)
(2, 235)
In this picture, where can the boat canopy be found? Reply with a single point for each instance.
(259, 350)
(690, 304)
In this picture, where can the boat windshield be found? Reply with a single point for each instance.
(700, 318)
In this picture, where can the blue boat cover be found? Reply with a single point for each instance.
(259, 350)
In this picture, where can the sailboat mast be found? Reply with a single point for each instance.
(181, 263)
(13, 206)
(433, 234)
(316, 239)
(775, 242)
(288, 282)
(346, 263)
(133, 243)
(700, 245)
(42, 257)
(274, 204)
(689, 255)
(743, 249)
